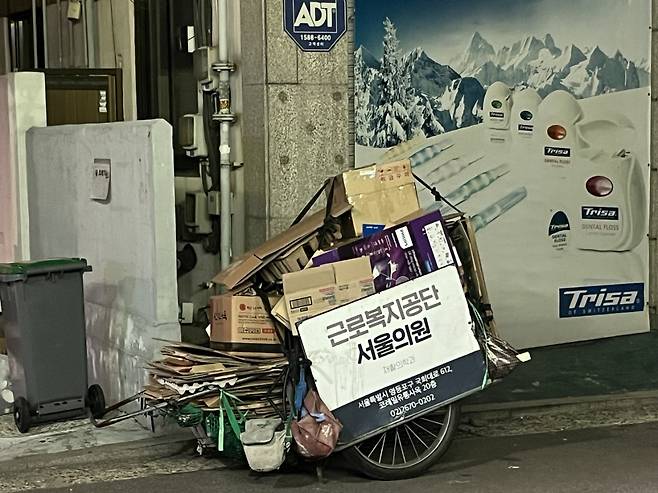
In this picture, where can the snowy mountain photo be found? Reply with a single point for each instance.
(540, 64)
(411, 85)
(403, 96)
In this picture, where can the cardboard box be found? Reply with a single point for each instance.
(400, 253)
(313, 291)
(254, 261)
(379, 194)
(241, 323)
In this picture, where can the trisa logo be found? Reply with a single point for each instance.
(557, 151)
(605, 213)
(601, 300)
(559, 222)
(316, 14)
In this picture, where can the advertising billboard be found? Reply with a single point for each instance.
(533, 118)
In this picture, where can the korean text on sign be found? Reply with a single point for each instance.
(394, 312)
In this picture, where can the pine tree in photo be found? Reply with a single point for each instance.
(416, 111)
(392, 122)
(431, 125)
(363, 108)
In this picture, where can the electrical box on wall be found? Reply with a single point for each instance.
(191, 137)
(203, 60)
(214, 203)
(196, 213)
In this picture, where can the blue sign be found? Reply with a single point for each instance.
(586, 301)
(315, 26)
(371, 229)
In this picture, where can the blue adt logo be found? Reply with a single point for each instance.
(315, 26)
(601, 300)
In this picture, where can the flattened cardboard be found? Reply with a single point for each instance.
(251, 262)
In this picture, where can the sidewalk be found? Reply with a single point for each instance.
(515, 434)
(613, 459)
(78, 434)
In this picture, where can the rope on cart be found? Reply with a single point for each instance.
(436, 194)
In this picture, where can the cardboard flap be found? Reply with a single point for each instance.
(308, 279)
(251, 262)
(384, 207)
(378, 177)
(351, 270)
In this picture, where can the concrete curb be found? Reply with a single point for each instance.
(546, 406)
(161, 446)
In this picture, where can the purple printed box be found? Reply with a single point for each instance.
(400, 253)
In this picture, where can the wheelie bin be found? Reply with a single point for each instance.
(43, 317)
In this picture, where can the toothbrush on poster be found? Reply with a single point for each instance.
(473, 186)
(452, 167)
(429, 152)
(485, 217)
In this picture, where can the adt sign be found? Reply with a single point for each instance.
(315, 25)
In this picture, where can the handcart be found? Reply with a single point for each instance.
(401, 442)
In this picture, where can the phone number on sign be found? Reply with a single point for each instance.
(316, 37)
(402, 410)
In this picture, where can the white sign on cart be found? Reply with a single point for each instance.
(395, 354)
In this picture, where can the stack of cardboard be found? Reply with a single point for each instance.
(375, 196)
(186, 371)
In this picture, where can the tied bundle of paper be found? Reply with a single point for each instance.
(198, 375)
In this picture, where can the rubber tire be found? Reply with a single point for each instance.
(22, 416)
(360, 464)
(95, 401)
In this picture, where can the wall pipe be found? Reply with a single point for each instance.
(35, 48)
(238, 185)
(60, 44)
(91, 22)
(85, 33)
(44, 29)
(224, 91)
(71, 51)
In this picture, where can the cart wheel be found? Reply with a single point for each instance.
(409, 449)
(22, 415)
(95, 401)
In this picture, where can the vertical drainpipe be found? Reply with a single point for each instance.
(225, 118)
(71, 50)
(60, 45)
(238, 217)
(35, 48)
(44, 21)
(85, 33)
